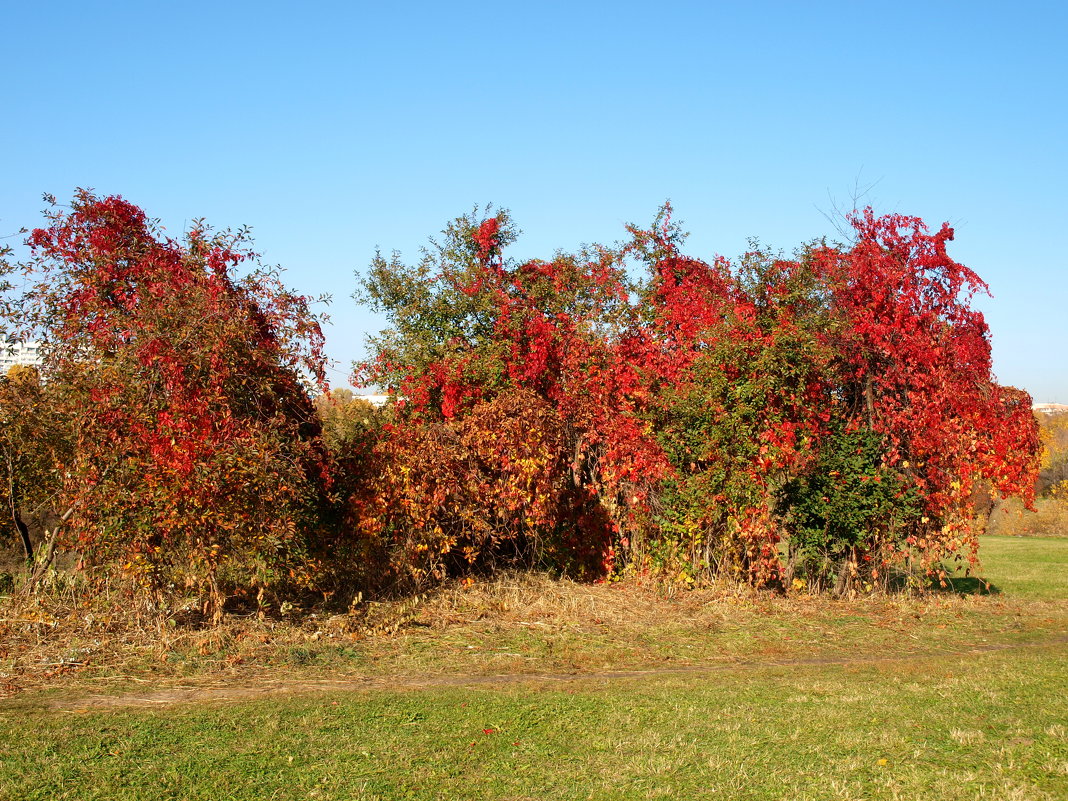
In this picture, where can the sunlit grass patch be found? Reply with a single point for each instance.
(988, 725)
(1025, 567)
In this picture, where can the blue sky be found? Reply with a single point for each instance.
(333, 128)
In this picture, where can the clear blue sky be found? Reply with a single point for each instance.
(333, 128)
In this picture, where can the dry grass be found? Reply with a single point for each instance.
(1011, 519)
(517, 623)
(536, 598)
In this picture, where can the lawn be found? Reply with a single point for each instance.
(1027, 567)
(951, 697)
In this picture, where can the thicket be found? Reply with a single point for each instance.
(827, 417)
(1053, 471)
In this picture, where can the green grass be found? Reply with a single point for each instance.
(919, 723)
(1026, 567)
(990, 725)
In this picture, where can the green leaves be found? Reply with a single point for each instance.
(851, 498)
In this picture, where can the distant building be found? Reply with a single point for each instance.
(374, 400)
(22, 353)
(1050, 408)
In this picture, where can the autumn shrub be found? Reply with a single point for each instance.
(471, 493)
(841, 400)
(739, 403)
(837, 405)
(516, 402)
(913, 368)
(850, 512)
(196, 460)
(627, 408)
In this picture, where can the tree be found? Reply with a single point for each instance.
(472, 334)
(197, 459)
(916, 409)
(737, 362)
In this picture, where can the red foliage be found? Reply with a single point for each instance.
(555, 345)
(196, 437)
(915, 366)
(486, 237)
(740, 394)
(685, 415)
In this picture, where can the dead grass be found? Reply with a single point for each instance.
(515, 624)
(1011, 519)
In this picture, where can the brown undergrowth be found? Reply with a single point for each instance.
(522, 623)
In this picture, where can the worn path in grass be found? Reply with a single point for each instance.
(229, 693)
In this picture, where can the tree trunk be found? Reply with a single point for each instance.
(24, 533)
(20, 524)
(844, 586)
(44, 561)
(791, 567)
(578, 466)
(213, 607)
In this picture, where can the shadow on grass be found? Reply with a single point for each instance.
(969, 585)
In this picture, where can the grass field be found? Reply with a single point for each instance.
(1018, 567)
(955, 696)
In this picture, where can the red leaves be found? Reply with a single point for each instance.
(486, 238)
(915, 364)
(544, 409)
(198, 417)
(549, 341)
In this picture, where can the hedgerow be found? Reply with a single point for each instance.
(624, 409)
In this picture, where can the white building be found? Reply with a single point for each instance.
(1050, 408)
(24, 353)
(374, 400)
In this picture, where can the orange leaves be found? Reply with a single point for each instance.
(464, 487)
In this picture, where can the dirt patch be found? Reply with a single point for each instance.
(228, 693)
